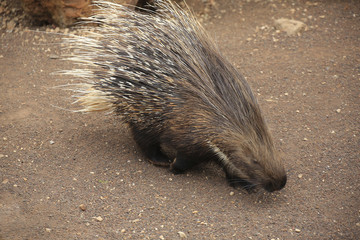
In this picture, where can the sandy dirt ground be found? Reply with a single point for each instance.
(66, 175)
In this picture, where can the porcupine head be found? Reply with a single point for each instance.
(163, 76)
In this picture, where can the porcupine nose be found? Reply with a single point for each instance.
(276, 184)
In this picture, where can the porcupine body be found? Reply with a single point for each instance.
(163, 76)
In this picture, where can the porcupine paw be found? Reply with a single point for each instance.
(181, 164)
(174, 169)
(157, 157)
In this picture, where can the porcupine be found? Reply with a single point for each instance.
(163, 76)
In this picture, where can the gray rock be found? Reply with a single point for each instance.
(290, 26)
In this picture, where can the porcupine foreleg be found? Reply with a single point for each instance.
(150, 146)
(182, 163)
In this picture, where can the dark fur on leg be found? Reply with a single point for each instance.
(182, 163)
(150, 147)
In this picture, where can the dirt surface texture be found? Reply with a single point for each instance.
(66, 175)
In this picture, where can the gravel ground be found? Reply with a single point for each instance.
(66, 175)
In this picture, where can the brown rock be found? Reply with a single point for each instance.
(60, 12)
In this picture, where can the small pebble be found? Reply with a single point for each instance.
(297, 230)
(52, 142)
(53, 56)
(182, 235)
(98, 219)
(48, 229)
(305, 139)
(82, 207)
(300, 175)
(123, 230)
(232, 193)
(338, 110)
(11, 25)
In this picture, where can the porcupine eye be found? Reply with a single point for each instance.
(255, 162)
